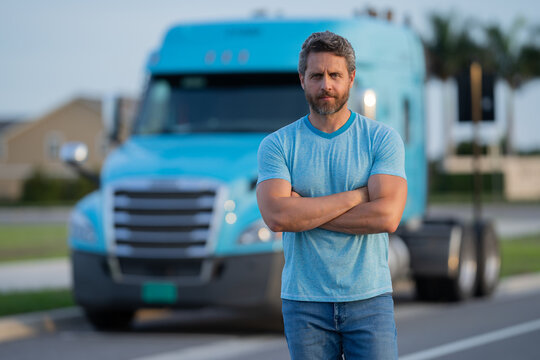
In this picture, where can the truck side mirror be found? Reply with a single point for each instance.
(74, 152)
(110, 113)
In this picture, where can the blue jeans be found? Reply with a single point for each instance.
(362, 329)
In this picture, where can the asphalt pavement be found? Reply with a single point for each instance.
(504, 326)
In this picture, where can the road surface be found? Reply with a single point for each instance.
(502, 327)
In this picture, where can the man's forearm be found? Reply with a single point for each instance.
(367, 218)
(387, 198)
(295, 214)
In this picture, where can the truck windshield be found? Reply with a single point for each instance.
(221, 103)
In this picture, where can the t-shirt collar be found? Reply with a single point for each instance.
(331, 135)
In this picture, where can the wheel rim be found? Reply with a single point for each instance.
(468, 268)
(491, 269)
(467, 275)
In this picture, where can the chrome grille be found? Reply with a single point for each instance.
(161, 222)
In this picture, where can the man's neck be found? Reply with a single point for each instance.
(332, 122)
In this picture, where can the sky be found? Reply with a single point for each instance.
(51, 51)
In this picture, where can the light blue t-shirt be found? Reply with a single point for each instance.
(323, 265)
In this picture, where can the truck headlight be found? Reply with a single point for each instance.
(369, 103)
(258, 232)
(81, 229)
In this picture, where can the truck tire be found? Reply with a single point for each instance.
(489, 259)
(461, 285)
(109, 320)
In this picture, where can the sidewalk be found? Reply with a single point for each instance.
(35, 214)
(35, 275)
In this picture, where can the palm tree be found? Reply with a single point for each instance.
(514, 61)
(451, 47)
(450, 50)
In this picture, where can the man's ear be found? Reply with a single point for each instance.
(353, 74)
(301, 80)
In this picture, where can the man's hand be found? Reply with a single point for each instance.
(285, 210)
(387, 196)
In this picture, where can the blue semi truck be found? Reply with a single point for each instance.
(175, 221)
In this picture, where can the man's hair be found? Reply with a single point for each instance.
(327, 42)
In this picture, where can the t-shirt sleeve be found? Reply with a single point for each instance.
(389, 155)
(271, 161)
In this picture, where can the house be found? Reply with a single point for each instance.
(35, 145)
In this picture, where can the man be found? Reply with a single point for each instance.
(336, 286)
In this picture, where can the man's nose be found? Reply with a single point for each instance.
(326, 84)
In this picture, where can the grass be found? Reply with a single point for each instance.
(520, 255)
(29, 241)
(23, 302)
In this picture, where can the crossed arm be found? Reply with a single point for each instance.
(375, 209)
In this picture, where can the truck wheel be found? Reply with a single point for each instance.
(489, 259)
(109, 320)
(461, 285)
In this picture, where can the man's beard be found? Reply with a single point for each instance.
(326, 108)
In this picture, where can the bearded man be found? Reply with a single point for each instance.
(334, 183)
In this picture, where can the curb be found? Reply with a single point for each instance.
(518, 284)
(16, 327)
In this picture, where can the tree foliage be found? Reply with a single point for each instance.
(514, 59)
(41, 189)
(451, 47)
(512, 54)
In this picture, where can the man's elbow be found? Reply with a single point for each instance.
(275, 223)
(275, 226)
(392, 227)
(284, 224)
(391, 223)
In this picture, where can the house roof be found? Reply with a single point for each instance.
(8, 123)
(93, 105)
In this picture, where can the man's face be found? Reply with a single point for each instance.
(326, 82)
